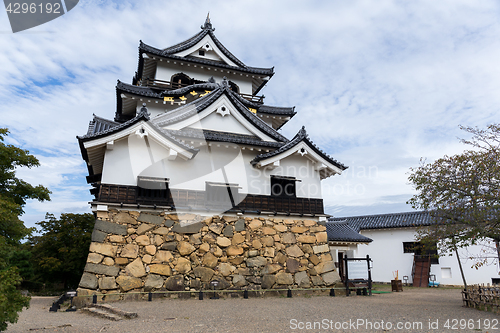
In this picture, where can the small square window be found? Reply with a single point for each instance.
(410, 247)
(283, 186)
(446, 272)
(201, 52)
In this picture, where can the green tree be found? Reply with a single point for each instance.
(14, 191)
(13, 195)
(60, 253)
(11, 300)
(462, 193)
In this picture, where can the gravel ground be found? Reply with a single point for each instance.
(272, 314)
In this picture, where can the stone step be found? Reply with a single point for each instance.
(102, 313)
(113, 310)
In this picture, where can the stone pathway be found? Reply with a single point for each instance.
(418, 310)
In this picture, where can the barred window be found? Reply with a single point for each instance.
(222, 192)
(153, 188)
(283, 186)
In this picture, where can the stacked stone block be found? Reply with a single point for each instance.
(148, 251)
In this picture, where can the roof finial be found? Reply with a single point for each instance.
(144, 111)
(207, 25)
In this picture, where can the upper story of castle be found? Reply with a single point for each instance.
(196, 60)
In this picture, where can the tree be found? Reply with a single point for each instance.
(14, 191)
(60, 253)
(13, 195)
(11, 300)
(462, 192)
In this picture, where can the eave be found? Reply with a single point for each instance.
(301, 145)
(182, 115)
(260, 76)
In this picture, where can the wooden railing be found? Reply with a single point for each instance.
(168, 85)
(482, 298)
(197, 200)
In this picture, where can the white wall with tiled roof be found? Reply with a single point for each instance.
(134, 156)
(386, 250)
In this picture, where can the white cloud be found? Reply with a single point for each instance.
(377, 84)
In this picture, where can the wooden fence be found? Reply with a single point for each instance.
(482, 298)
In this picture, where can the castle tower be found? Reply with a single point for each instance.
(194, 183)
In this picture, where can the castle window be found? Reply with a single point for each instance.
(234, 87)
(201, 52)
(283, 186)
(180, 80)
(410, 247)
(420, 249)
(152, 188)
(222, 193)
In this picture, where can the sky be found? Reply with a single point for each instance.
(379, 85)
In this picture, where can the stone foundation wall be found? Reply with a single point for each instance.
(144, 251)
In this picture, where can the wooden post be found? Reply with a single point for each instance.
(369, 275)
(346, 278)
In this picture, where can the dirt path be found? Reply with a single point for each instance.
(413, 310)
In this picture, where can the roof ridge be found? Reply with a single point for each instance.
(375, 215)
(181, 113)
(143, 47)
(301, 135)
(139, 116)
(250, 116)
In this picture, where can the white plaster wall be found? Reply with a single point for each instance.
(386, 250)
(134, 157)
(483, 274)
(211, 55)
(165, 71)
(227, 123)
(117, 168)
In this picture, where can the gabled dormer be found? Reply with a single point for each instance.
(195, 60)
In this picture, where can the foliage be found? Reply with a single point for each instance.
(13, 195)
(60, 253)
(462, 192)
(11, 300)
(14, 191)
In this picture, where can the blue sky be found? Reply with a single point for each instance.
(378, 84)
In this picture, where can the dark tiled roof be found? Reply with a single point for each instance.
(161, 53)
(300, 136)
(142, 115)
(138, 90)
(288, 111)
(223, 137)
(342, 232)
(206, 30)
(160, 93)
(157, 92)
(99, 124)
(383, 221)
(202, 103)
(188, 110)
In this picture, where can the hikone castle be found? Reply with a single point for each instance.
(193, 183)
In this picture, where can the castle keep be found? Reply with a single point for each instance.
(194, 183)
